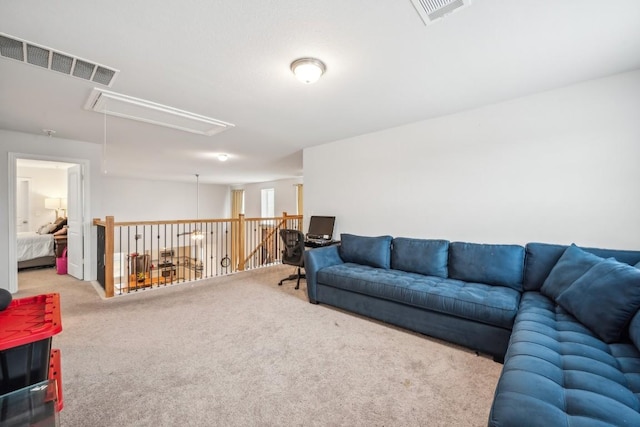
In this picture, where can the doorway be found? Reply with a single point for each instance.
(48, 185)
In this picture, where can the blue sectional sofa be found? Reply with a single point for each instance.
(561, 318)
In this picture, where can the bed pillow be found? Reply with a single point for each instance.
(372, 251)
(605, 298)
(59, 224)
(44, 229)
(573, 263)
(61, 232)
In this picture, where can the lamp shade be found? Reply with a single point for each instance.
(308, 70)
(52, 203)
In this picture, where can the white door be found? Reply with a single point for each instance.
(75, 248)
(23, 193)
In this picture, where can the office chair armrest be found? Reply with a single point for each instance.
(314, 261)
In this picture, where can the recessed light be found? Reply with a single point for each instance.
(223, 157)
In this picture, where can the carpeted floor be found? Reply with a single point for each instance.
(242, 351)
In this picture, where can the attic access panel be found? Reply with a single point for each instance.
(128, 107)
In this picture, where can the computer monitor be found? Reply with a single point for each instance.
(321, 227)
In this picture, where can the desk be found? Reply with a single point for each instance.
(316, 244)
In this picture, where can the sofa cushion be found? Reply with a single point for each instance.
(557, 372)
(491, 264)
(573, 263)
(634, 329)
(494, 305)
(428, 257)
(542, 257)
(372, 251)
(604, 298)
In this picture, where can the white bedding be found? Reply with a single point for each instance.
(33, 245)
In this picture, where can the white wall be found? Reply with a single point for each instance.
(45, 148)
(44, 183)
(143, 200)
(285, 196)
(560, 166)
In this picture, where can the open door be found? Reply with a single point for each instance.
(75, 238)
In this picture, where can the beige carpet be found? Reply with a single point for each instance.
(240, 350)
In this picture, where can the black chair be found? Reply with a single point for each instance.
(293, 253)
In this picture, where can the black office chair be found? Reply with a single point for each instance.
(293, 253)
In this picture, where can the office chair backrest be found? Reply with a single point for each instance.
(293, 252)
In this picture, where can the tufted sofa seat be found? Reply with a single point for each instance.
(558, 373)
(495, 305)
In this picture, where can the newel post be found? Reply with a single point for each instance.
(241, 240)
(108, 253)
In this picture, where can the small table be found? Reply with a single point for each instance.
(60, 244)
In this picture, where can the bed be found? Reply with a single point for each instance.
(37, 249)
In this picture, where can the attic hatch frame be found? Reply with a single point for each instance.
(55, 60)
(142, 110)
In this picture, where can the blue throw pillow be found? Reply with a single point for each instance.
(422, 256)
(573, 263)
(605, 298)
(634, 329)
(638, 264)
(372, 251)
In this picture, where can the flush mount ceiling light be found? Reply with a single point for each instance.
(128, 107)
(223, 157)
(308, 70)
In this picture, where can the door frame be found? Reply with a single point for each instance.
(86, 211)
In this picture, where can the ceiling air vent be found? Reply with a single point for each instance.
(128, 107)
(431, 10)
(42, 56)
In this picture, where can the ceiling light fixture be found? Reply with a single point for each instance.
(308, 70)
(223, 157)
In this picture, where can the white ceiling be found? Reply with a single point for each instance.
(229, 60)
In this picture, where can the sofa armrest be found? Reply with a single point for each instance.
(314, 261)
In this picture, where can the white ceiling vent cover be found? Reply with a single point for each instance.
(431, 10)
(42, 56)
(128, 107)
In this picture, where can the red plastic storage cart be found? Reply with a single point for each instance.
(26, 328)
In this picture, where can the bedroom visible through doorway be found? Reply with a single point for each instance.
(48, 192)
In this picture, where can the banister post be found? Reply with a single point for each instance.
(241, 241)
(108, 253)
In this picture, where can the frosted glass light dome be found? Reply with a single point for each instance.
(308, 70)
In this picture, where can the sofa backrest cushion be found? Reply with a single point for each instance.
(422, 256)
(573, 263)
(491, 264)
(542, 257)
(605, 298)
(372, 251)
